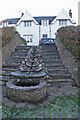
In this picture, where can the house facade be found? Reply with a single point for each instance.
(32, 29)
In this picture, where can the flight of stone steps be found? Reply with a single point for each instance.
(13, 63)
(59, 75)
(56, 70)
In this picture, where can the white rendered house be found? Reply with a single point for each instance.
(32, 29)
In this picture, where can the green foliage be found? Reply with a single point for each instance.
(7, 34)
(70, 36)
(24, 43)
(60, 107)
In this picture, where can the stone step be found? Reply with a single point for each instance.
(18, 57)
(55, 84)
(51, 57)
(55, 67)
(15, 60)
(48, 46)
(19, 54)
(22, 48)
(11, 65)
(59, 80)
(14, 55)
(49, 50)
(57, 71)
(60, 76)
(53, 64)
(54, 53)
(52, 60)
(6, 73)
(9, 69)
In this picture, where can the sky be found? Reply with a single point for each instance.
(14, 8)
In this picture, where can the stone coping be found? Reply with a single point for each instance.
(11, 85)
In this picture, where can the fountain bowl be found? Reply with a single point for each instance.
(26, 92)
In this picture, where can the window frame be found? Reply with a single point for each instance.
(45, 22)
(62, 22)
(27, 23)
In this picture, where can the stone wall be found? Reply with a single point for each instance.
(69, 61)
(8, 49)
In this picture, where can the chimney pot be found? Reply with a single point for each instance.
(70, 13)
(22, 14)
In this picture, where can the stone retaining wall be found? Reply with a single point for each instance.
(8, 49)
(69, 61)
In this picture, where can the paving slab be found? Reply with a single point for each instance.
(10, 103)
(20, 105)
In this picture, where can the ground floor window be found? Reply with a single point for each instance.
(44, 35)
(28, 38)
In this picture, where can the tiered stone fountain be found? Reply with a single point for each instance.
(28, 83)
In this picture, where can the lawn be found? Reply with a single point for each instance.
(60, 107)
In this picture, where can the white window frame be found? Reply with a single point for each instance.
(27, 23)
(45, 22)
(62, 22)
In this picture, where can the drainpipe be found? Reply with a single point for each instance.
(39, 32)
(50, 30)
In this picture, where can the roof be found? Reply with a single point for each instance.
(50, 18)
(38, 19)
(11, 20)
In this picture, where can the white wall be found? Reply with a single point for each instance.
(55, 26)
(45, 29)
(33, 30)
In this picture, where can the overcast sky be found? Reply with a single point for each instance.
(14, 8)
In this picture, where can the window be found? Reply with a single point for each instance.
(28, 38)
(24, 24)
(44, 35)
(5, 24)
(59, 22)
(62, 22)
(27, 24)
(45, 22)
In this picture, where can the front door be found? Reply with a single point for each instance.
(29, 39)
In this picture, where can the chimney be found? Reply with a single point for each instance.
(22, 14)
(70, 13)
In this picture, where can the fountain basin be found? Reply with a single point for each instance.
(26, 91)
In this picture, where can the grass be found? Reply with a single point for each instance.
(70, 37)
(60, 107)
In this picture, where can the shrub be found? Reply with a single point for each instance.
(7, 34)
(70, 37)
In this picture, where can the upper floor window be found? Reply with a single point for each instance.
(5, 24)
(62, 22)
(27, 24)
(45, 22)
